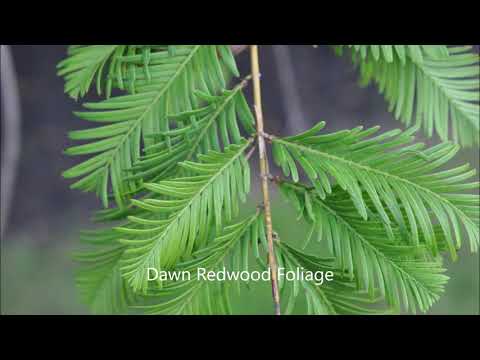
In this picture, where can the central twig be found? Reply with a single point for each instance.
(264, 171)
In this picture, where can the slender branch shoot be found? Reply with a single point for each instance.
(264, 171)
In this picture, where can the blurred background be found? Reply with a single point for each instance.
(301, 86)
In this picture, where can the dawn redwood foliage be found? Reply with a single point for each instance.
(168, 156)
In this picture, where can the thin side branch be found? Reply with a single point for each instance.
(264, 171)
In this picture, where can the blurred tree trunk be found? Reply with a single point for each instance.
(291, 101)
(10, 134)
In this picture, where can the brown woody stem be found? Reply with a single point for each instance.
(264, 171)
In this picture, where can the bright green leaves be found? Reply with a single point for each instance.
(161, 81)
(403, 273)
(187, 209)
(401, 179)
(435, 86)
(85, 64)
(228, 250)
